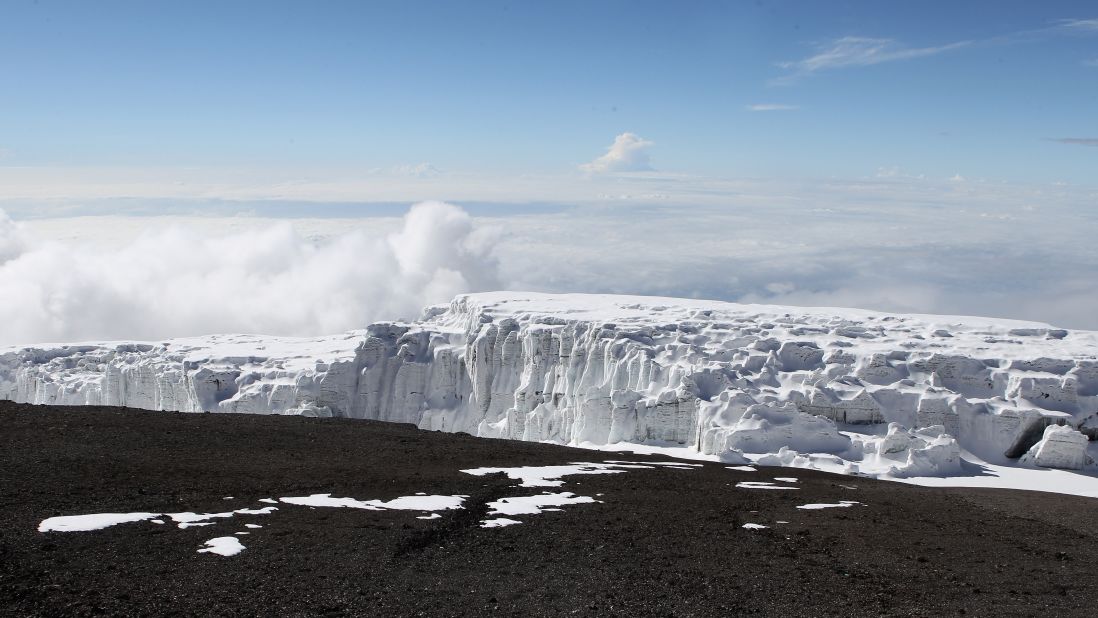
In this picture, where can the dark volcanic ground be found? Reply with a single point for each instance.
(661, 542)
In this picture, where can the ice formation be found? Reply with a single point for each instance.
(1059, 447)
(853, 391)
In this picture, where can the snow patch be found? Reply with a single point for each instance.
(498, 522)
(532, 505)
(94, 521)
(817, 506)
(407, 503)
(761, 485)
(223, 546)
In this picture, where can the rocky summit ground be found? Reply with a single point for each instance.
(659, 541)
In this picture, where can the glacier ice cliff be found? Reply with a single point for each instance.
(856, 391)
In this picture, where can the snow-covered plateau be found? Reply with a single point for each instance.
(939, 400)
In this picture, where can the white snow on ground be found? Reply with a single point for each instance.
(498, 522)
(94, 521)
(550, 476)
(431, 516)
(761, 485)
(407, 503)
(991, 476)
(532, 505)
(743, 468)
(223, 546)
(892, 396)
(252, 526)
(424, 503)
(679, 465)
(754, 526)
(188, 519)
(785, 479)
(98, 521)
(817, 506)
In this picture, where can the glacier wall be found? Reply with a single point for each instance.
(867, 392)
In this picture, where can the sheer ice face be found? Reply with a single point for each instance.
(838, 389)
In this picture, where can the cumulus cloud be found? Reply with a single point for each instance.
(11, 239)
(628, 153)
(181, 281)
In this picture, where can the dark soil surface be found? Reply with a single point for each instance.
(661, 541)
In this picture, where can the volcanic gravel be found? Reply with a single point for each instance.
(665, 542)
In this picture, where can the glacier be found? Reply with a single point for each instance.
(886, 395)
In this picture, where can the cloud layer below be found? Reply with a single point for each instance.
(199, 279)
(895, 243)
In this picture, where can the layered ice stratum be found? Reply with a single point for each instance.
(875, 394)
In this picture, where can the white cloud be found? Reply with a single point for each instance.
(12, 243)
(179, 281)
(1079, 25)
(912, 246)
(772, 107)
(895, 243)
(628, 153)
(854, 51)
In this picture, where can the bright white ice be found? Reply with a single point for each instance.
(923, 398)
(223, 546)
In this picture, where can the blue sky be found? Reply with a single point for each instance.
(936, 157)
(933, 89)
